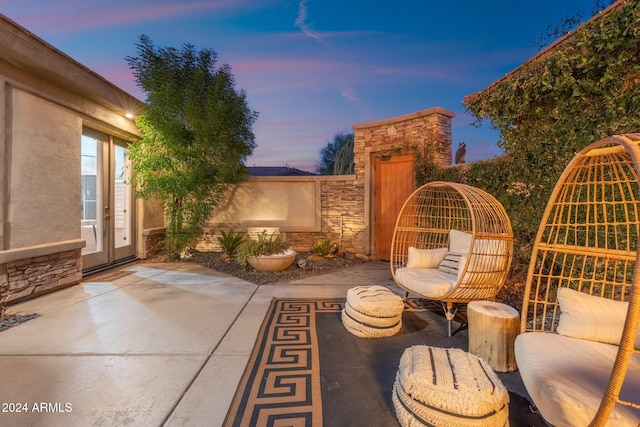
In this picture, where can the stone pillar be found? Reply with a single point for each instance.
(403, 135)
(408, 134)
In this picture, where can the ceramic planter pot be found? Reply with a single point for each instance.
(272, 263)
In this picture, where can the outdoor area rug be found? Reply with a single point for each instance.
(306, 369)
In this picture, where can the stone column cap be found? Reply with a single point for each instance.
(418, 114)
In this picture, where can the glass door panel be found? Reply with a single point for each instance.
(107, 207)
(92, 198)
(123, 204)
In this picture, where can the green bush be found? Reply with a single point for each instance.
(266, 244)
(230, 242)
(322, 247)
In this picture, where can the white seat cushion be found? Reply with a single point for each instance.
(426, 282)
(566, 378)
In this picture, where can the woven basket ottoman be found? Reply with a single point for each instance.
(448, 387)
(372, 312)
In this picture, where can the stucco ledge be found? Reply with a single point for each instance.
(40, 250)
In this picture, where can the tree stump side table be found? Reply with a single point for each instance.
(493, 328)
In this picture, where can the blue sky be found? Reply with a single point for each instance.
(314, 68)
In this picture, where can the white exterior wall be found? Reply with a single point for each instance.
(293, 204)
(44, 179)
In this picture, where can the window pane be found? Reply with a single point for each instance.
(90, 164)
(122, 189)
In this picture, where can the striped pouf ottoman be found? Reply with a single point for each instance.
(448, 387)
(372, 312)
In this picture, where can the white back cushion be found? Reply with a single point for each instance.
(459, 242)
(425, 258)
(591, 317)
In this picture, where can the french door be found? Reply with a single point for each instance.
(107, 212)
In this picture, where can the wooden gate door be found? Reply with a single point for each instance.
(394, 182)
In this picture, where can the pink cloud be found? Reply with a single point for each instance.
(61, 21)
(121, 76)
(441, 72)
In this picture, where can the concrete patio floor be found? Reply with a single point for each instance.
(150, 345)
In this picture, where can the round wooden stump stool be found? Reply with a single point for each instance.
(493, 328)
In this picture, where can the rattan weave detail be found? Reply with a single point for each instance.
(425, 221)
(588, 241)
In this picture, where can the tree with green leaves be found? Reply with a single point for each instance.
(336, 158)
(196, 133)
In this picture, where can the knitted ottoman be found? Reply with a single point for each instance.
(448, 387)
(372, 312)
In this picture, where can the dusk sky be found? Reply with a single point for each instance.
(314, 68)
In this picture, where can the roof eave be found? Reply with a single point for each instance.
(29, 52)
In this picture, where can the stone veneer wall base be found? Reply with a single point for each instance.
(30, 277)
(153, 239)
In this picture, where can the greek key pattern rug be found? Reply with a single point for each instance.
(307, 370)
(281, 385)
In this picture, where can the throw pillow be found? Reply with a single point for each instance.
(591, 317)
(453, 264)
(459, 242)
(425, 258)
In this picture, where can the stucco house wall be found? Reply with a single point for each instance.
(46, 98)
(304, 208)
(40, 147)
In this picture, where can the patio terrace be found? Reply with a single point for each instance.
(153, 344)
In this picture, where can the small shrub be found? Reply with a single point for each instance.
(230, 242)
(322, 247)
(266, 244)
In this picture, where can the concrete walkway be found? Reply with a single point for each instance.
(146, 345)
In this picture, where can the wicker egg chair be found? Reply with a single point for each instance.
(576, 351)
(445, 219)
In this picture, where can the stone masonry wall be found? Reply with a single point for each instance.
(29, 277)
(342, 210)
